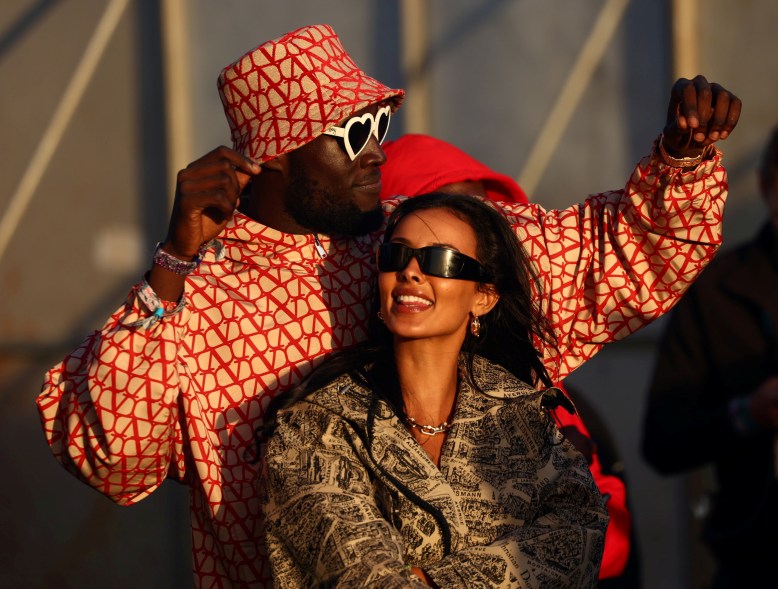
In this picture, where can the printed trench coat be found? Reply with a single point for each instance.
(351, 497)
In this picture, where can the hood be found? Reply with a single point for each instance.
(416, 164)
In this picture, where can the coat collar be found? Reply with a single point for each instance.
(353, 399)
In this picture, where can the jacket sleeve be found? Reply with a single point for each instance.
(621, 259)
(109, 409)
(323, 526)
(561, 547)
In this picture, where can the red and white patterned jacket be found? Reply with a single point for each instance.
(133, 406)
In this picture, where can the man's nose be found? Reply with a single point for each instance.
(373, 154)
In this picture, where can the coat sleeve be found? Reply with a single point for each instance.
(109, 409)
(323, 526)
(561, 547)
(621, 259)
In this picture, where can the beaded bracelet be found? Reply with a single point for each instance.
(181, 267)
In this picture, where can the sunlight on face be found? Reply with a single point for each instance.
(417, 306)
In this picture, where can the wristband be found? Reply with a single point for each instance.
(679, 162)
(155, 306)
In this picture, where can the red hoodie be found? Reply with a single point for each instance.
(416, 164)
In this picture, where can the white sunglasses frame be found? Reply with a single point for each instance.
(342, 132)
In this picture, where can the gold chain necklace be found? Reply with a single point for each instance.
(429, 430)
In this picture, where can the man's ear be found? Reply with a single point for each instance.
(485, 300)
(274, 177)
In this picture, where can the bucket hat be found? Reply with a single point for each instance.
(286, 92)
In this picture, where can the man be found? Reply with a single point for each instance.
(714, 397)
(176, 382)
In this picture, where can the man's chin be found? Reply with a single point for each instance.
(368, 198)
(350, 222)
(371, 220)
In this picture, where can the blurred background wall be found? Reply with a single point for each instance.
(102, 101)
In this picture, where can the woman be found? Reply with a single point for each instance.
(424, 456)
(417, 164)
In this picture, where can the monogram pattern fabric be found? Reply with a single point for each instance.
(132, 406)
(352, 500)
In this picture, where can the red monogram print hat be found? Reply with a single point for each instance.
(286, 92)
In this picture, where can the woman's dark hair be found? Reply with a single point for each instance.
(509, 332)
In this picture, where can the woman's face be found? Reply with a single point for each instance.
(417, 306)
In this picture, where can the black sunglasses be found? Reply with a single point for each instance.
(355, 133)
(433, 260)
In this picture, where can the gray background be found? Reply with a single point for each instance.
(493, 70)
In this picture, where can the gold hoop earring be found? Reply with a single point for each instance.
(475, 326)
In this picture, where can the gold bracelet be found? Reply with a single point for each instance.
(682, 162)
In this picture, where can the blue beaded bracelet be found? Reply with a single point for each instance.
(155, 306)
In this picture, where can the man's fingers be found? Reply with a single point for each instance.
(243, 179)
(674, 118)
(732, 116)
(224, 154)
(218, 205)
(703, 109)
(218, 174)
(688, 117)
(239, 161)
(189, 189)
(718, 121)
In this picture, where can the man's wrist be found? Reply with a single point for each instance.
(686, 161)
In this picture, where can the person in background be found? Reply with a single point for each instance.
(251, 289)
(418, 164)
(714, 397)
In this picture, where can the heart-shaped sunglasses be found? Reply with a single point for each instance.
(356, 131)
